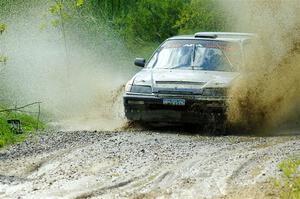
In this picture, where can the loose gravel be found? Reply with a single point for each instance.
(139, 164)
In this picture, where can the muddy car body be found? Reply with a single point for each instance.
(187, 79)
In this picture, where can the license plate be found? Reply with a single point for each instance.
(174, 102)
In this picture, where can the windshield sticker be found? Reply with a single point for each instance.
(225, 46)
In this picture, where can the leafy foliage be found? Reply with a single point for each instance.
(64, 10)
(2, 28)
(290, 183)
(80, 3)
(154, 21)
(3, 59)
(204, 15)
(151, 20)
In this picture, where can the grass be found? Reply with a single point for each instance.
(289, 184)
(7, 136)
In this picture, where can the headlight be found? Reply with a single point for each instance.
(215, 92)
(128, 87)
(141, 89)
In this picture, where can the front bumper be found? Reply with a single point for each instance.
(150, 108)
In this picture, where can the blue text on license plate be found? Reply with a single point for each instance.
(174, 102)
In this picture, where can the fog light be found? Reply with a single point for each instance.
(136, 102)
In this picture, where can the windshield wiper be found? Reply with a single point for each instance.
(169, 67)
(194, 55)
(179, 66)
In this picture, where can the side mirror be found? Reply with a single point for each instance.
(141, 62)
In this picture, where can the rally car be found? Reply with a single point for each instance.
(187, 79)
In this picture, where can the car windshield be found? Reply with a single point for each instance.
(197, 55)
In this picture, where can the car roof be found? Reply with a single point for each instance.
(217, 36)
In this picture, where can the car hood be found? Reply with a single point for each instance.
(184, 80)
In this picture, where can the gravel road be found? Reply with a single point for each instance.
(141, 164)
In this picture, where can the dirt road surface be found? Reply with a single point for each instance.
(143, 164)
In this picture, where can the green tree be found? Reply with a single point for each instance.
(62, 10)
(109, 9)
(150, 20)
(201, 15)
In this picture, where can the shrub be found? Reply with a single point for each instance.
(290, 182)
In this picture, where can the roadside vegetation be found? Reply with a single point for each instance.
(8, 135)
(154, 21)
(289, 184)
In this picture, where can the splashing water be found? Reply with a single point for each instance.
(76, 90)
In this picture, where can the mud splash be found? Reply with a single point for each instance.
(268, 92)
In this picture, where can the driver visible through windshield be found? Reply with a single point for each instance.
(197, 55)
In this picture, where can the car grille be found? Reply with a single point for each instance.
(175, 92)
